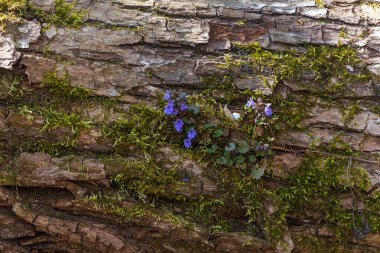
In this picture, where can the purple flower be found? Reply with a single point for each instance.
(187, 143)
(178, 124)
(169, 109)
(175, 111)
(167, 95)
(268, 110)
(262, 147)
(191, 133)
(185, 179)
(251, 103)
(183, 106)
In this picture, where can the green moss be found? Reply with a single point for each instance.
(320, 3)
(142, 126)
(144, 180)
(314, 244)
(350, 111)
(53, 148)
(259, 207)
(8, 176)
(314, 190)
(290, 111)
(115, 27)
(54, 119)
(112, 204)
(11, 11)
(25, 111)
(60, 86)
(325, 65)
(372, 4)
(63, 13)
(208, 213)
(10, 86)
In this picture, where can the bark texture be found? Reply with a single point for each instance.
(133, 50)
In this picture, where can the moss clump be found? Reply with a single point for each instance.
(53, 148)
(350, 111)
(314, 191)
(60, 86)
(325, 65)
(54, 119)
(260, 206)
(10, 87)
(142, 126)
(11, 11)
(144, 180)
(63, 13)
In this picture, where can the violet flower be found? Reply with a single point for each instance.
(183, 106)
(178, 124)
(268, 110)
(169, 108)
(191, 133)
(167, 95)
(187, 143)
(251, 103)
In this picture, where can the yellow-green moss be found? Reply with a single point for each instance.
(316, 186)
(63, 13)
(11, 11)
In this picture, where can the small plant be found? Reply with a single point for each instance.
(253, 125)
(178, 107)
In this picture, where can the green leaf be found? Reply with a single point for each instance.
(257, 173)
(208, 125)
(243, 147)
(260, 153)
(269, 152)
(222, 160)
(217, 133)
(227, 153)
(252, 158)
(182, 95)
(187, 120)
(277, 127)
(194, 109)
(212, 149)
(230, 147)
(242, 166)
(239, 159)
(260, 122)
(230, 162)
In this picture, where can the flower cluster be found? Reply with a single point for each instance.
(259, 106)
(177, 107)
(190, 135)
